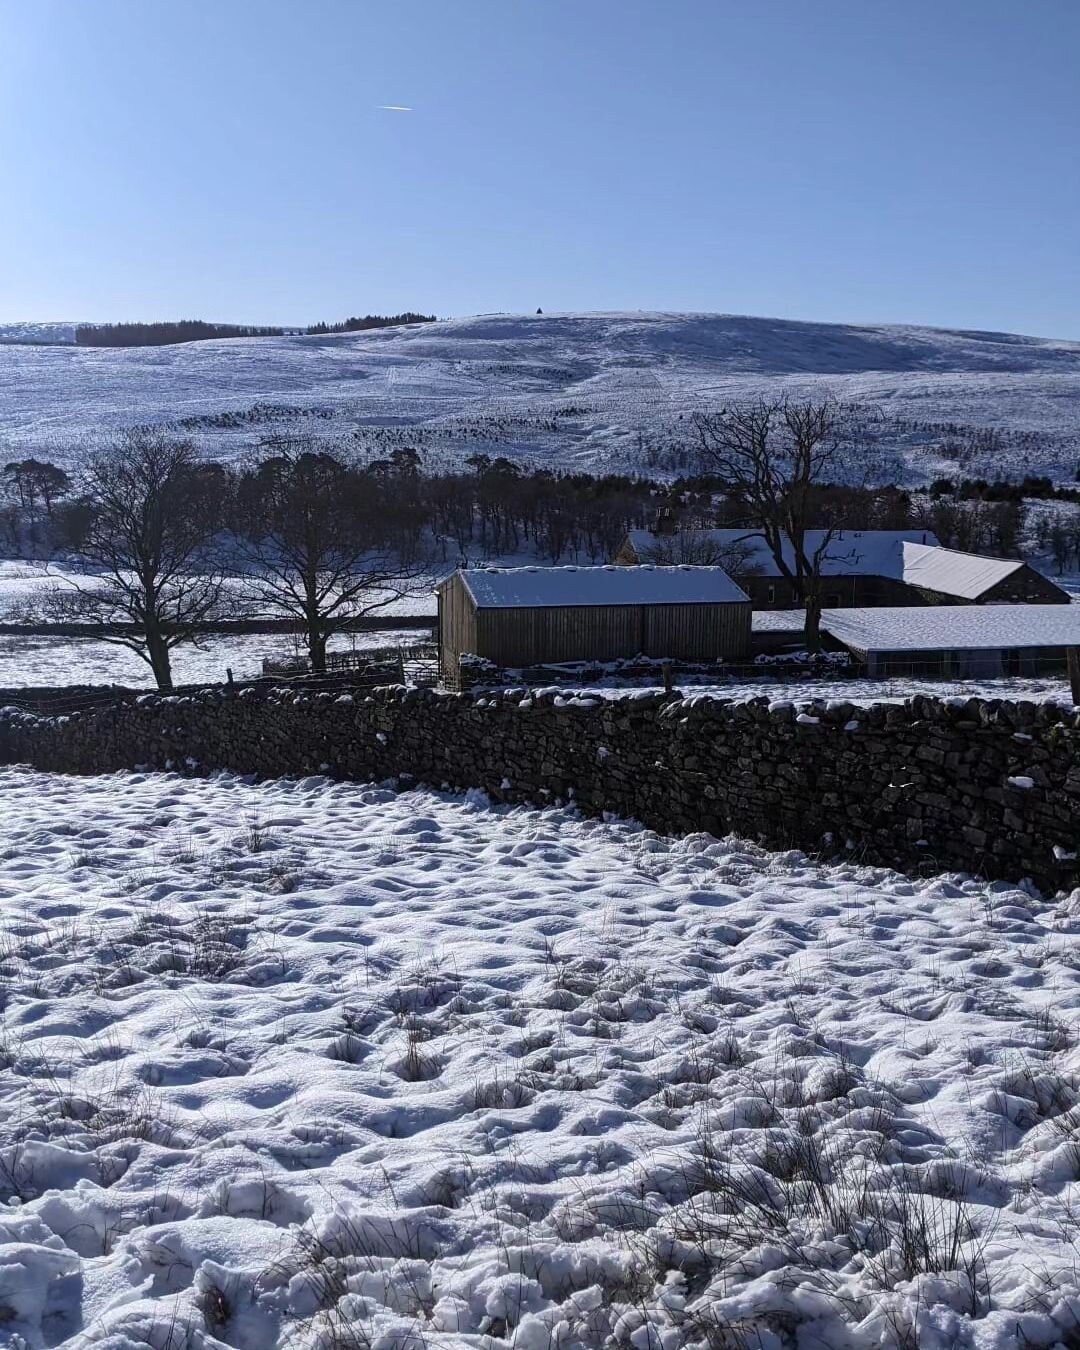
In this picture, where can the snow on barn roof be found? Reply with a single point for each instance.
(954, 627)
(876, 553)
(778, 621)
(954, 573)
(544, 587)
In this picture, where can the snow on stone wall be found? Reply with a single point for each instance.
(984, 786)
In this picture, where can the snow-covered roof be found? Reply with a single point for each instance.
(966, 575)
(543, 587)
(954, 627)
(876, 553)
(778, 621)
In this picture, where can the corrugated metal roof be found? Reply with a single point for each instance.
(876, 553)
(547, 587)
(778, 621)
(954, 627)
(966, 575)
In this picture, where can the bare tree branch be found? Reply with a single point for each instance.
(311, 544)
(154, 510)
(773, 456)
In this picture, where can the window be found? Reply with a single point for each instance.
(771, 593)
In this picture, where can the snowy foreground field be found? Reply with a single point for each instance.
(305, 1064)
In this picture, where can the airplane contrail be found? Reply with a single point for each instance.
(393, 107)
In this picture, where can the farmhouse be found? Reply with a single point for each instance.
(524, 616)
(950, 640)
(860, 568)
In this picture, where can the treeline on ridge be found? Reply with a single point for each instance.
(359, 325)
(198, 330)
(164, 334)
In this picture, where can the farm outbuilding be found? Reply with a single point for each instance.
(859, 568)
(957, 640)
(526, 616)
(945, 576)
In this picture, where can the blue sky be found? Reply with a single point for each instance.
(904, 160)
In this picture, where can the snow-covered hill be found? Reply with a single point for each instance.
(584, 390)
(52, 333)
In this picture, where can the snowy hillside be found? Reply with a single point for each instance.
(591, 391)
(52, 333)
(315, 1065)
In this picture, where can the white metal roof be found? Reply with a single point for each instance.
(545, 587)
(778, 621)
(945, 569)
(954, 627)
(877, 553)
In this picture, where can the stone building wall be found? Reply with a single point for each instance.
(984, 786)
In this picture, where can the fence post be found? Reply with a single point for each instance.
(1072, 657)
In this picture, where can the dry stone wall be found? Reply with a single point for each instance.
(984, 786)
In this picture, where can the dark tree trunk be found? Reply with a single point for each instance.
(316, 648)
(160, 662)
(812, 628)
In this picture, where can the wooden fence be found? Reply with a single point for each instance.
(415, 664)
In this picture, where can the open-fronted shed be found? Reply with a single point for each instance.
(957, 640)
(526, 616)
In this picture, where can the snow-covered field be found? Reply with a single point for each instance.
(35, 661)
(25, 584)
(1051, 689)
(590, 390)
(27, 660)
(304, 1064)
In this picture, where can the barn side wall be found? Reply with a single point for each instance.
(982, 786)
(457, 626)
(853, 591)
(517, 637)
(1028, 587)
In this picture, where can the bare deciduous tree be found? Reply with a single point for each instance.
(153, 510)
(702, 548)
(773, 455)
(313, 546)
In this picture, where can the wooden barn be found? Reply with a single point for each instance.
(526, 616)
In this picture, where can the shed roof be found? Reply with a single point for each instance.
(557, 587)
(954, 627)
(954, 573)
(778, 621)
(876, 553)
